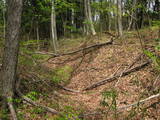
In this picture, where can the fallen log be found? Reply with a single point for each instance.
(53, 111)
(76, 51)
(112, 78)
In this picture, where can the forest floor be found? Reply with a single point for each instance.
(85, 68)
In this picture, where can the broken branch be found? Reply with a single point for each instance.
(76, 51)
(140, 102)
(125, 107)
(68, 89)
(35, 104)
(112, 78)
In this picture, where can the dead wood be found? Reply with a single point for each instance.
(112, 78)
(123, 108)
(68, 89)
(140, 102)
(76, 51)
(106, 32)
(37, 79)
(51, 110)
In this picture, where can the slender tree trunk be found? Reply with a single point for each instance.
(72, 19)
(37, 31)
(133, 16)
(119, 17)
(109, 17)
(4, 21)
(10, 55)
(53, 28)
(86, 29)
(88, 15)
(115, 17)
(157, 8)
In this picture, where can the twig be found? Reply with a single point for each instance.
(102, 82)
(120, 76)
(53, 111)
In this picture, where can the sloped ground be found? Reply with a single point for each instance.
(97, 65)
(103, 63)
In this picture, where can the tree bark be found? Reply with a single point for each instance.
(157, 8)
(10, 55)
(4, 20)
(109, 16)
(88, 16)
(38, 38)
(133, 15)
(53, 28)
(119, 17)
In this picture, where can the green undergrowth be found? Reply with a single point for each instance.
(62, 74)
(27, 57)
(69, 113)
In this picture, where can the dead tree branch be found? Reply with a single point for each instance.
(76, 51)
(68, 89)
(125, 107)
(112, 78)
(140, 102)
(106, 32)
(53, 111)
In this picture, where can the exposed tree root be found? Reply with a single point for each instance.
(102, 82)
(11, 108)
(76, 51)
(53, 111)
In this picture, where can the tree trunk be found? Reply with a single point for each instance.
(73, 19)
(119, 17)
(4, 21)
(157, 8)
(38, 38)
(88, 16)
(53, 28)
(10, 55)
(133, 16)
(109, 16)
